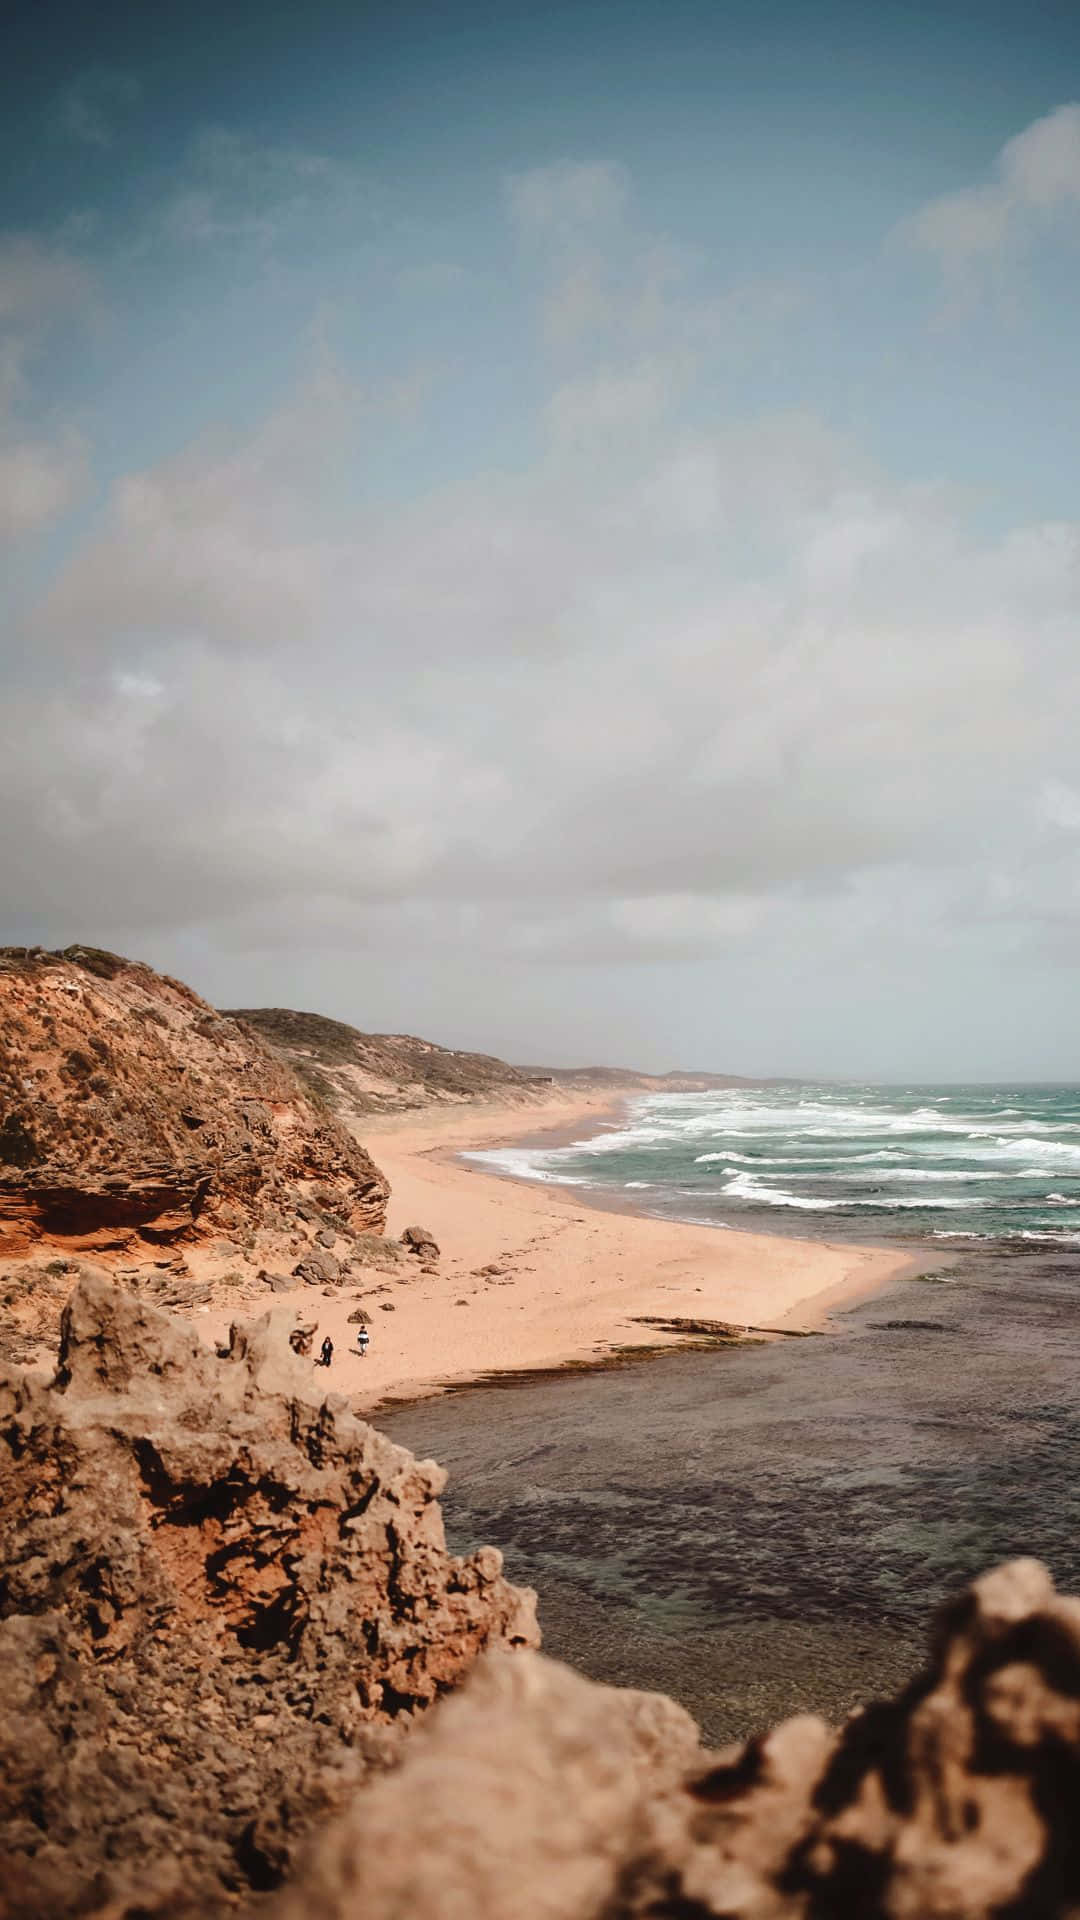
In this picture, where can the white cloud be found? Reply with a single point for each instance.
(629, 706)
(680, 689)
(37, 280)
(42, 469)
(1037, 175)
(38, 480)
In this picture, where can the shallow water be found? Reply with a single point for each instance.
(765, 1530)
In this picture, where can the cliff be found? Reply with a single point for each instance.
(133, 1118)
(221, 1594)
(224, 1601)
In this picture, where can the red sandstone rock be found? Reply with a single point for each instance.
(133, 1117)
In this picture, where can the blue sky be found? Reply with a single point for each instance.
(555, 529)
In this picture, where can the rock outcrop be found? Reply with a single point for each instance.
(134, 1118)
(535, 1795)
(221, 1594)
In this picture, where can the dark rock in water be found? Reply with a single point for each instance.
(221, 1593)
(419, 1241)
(912, 1326)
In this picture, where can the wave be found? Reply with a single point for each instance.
(522, 1163)
(745, 1186)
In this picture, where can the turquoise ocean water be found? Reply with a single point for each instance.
(968, 1164)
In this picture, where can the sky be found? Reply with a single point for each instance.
(554, 529)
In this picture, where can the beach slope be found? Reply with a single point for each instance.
(530, 1278)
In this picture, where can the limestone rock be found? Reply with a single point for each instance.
(523, 1798)
(278, 1282)
(218, 1587)
(535, 1795)
(419, 1241)
(317, 1267)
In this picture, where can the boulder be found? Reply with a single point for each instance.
(317, 1267)
(537, 1795)
(419, 1241)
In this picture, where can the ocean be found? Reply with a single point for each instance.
(946, 1163)
(769, 1529)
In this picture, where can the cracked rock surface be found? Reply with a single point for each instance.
(222, 1595)
(535, 1795)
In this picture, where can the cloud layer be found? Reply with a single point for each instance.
(678, 686)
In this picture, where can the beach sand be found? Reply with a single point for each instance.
(571, 1280)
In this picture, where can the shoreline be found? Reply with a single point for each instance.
(534, 1279)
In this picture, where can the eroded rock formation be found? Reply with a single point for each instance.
(223, 1598)
(220, 1595)
(134, 1118)
(535, 1795)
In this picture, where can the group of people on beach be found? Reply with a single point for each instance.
(326, 1352)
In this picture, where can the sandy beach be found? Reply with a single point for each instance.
(530, 1278)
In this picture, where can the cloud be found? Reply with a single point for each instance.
(38, 281)
(663, 688)
(93, 107)
(42, 469)
(38, 480)
(567, 202)
(1037, 176)
(235, 188)
(636, 707)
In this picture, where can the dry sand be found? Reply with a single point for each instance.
(572, 1279)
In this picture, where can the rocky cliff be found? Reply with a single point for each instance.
(133, 1118)
(223, 1599)
(220, 1593)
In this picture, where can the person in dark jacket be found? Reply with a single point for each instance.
(327, 1353)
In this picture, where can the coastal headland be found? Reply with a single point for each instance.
(531, 1279)
(223, 1165)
